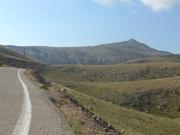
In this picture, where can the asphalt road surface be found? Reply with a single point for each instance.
(25, 110)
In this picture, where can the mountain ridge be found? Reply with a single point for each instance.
(109, 53)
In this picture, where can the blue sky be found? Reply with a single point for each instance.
(90, 22)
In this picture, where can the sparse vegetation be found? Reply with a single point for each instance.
(112, 73)
(133, 98)
(160, 59)
(1, 64)
(45, 87)
(128, 121)
(159, 96)
(178, 108)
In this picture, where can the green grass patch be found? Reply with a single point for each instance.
(178, 108)
(45, 87)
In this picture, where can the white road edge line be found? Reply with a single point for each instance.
(24, 122)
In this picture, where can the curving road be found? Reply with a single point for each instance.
(24, 110)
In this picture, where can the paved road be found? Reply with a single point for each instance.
(25, 110)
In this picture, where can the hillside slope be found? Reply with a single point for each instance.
(112, 53)
(158, 59)
(136, 99)
(11, 58)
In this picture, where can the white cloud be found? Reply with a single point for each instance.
(158, 5)
(110, 2)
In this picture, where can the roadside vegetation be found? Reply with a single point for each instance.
(1, 64)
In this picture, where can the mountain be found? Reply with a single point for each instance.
(112, 53)
(11, 58)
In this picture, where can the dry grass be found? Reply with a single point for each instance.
(112, 73)
(149, 87)
(128, 121)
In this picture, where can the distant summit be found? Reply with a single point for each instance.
(111, 53)
(133, 40)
